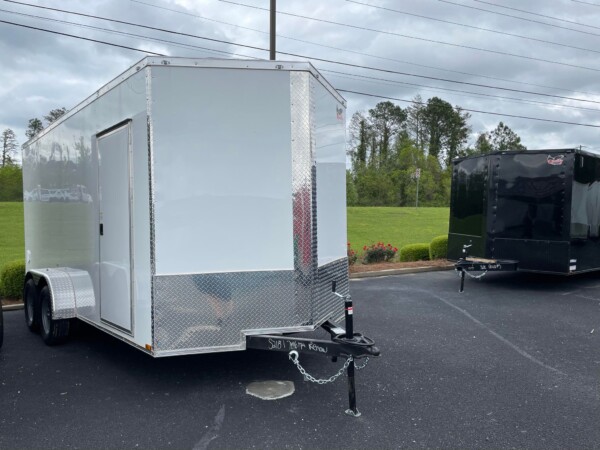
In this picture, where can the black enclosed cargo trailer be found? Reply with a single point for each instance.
(540, 208)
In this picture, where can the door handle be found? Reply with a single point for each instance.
(101, 229)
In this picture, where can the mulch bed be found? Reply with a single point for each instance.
(11, 301)
(359, 268)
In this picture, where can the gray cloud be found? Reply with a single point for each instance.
(40, 71)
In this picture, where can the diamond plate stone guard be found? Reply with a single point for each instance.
(188, 308)
(327, 305)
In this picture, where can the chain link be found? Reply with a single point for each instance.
(294, 357)
(475, 277)
(363, 366)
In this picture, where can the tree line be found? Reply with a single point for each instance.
(388, 144)
(11, 175)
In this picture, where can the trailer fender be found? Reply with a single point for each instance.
(70, 289)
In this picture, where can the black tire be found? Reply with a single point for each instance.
(32, 306)
(53, 331)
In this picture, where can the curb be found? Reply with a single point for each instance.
(385, 273)
(12, 307)
(377, 273)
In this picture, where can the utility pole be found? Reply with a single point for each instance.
(272, 31)
(417, 175)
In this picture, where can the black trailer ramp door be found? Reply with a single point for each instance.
(114, 150)
(530, 215)
(530, 196)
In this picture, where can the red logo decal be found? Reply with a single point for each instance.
(555, 160)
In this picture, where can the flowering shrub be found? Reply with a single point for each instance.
(352, 256)
(379, 252)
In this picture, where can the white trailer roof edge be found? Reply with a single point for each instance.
(211, 63)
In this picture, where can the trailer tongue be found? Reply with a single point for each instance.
(345, 343)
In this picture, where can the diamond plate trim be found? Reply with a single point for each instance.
(188, 308)
(69, 289)
(303, 198)
(327, 305)
(151, 196)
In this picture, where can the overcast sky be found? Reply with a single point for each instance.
(40, 71)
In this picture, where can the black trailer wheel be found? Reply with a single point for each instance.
(32, 306)
(53, 331)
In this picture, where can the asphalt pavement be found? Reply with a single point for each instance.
(513, 362)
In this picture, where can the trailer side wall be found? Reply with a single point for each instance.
(330, 147)
(60, 178)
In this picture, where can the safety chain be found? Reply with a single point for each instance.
(475, 277)
(363, 366)
(294, 357)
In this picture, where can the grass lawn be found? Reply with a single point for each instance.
(397, 226)
(12, 241)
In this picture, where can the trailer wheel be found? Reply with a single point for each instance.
(53, 331)
(32, 306)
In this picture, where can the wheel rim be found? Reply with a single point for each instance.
(46, 316)
(29, 307)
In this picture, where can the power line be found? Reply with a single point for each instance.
(519, 18)
(436, 88)
(123, 33)
(84, 38)
(363, 53)
(438, 79)
(341, 90)
(496, 52)
(560, 19)
(331, 71)
(315, 58)
(476, 111)
(135, 25)
(586, 3)
(504, 33)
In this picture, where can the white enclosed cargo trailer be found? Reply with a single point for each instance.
(188, 204)
(195, 206)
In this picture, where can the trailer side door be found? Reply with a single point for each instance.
(114, 156)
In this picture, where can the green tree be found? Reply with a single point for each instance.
(374, 187)
(54, 115)
(34, 126)
(360, 138)
(351, 194)
(445, 129)
(502, 138)
(9, 147)
(483, 145)
(457, 134)
(387, 121)
(414, 122)
(11, 184)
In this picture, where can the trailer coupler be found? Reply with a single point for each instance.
(344, 343)
(465, 266)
